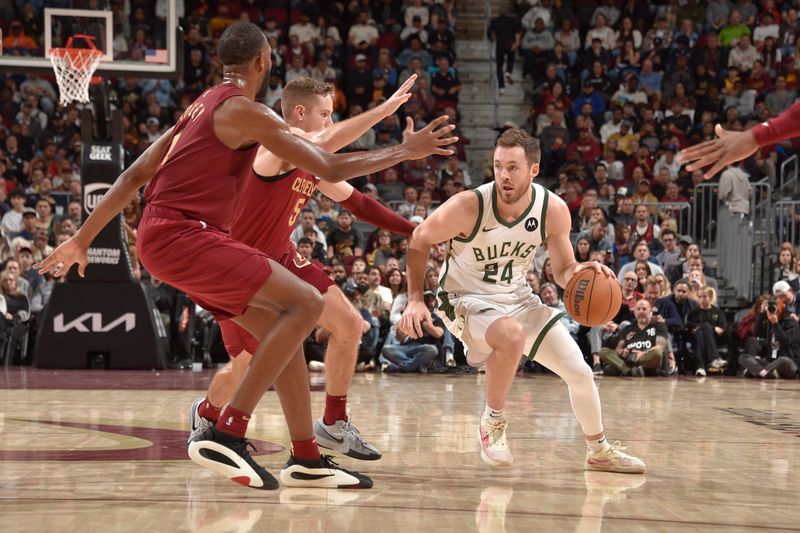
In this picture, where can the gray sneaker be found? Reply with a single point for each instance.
(197, 424)
(343, 437)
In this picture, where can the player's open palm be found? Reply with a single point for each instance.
(730, 147)
(59, 262)
(430, 140)
(414, 315)
(400, 96)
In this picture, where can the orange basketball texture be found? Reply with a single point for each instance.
(592, 299)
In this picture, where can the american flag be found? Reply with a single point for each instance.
(155, 55)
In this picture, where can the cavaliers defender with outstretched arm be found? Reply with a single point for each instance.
(733, 146)
(197, 170)
(272, 196)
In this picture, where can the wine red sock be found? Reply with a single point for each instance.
(335, 409)
(306, 450)
(233, 422)
(209, 411)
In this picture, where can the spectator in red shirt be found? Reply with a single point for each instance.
(759, 80)
(587, 146)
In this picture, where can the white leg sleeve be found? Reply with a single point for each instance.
(561, 354)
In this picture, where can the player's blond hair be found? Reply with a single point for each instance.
(302, 91)
(513, 137)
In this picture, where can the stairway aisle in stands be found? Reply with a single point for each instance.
(482, 108)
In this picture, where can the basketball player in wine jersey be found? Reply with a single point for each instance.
(486, 302)
(272, 196)
(197, 169)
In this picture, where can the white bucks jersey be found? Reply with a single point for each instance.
(493, 259)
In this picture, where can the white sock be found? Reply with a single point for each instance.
(597, 445)
(492, 413)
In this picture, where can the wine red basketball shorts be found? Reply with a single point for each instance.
(218, 273)
(237, 339)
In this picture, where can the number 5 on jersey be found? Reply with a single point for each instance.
(297, 208)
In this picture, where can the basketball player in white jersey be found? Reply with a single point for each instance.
(485, 301)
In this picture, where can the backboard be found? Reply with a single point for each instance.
(137, 44)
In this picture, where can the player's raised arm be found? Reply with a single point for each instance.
(456, 217)
(562, 255)
(345, 132)
(733, 146)
(113, 202)
(728, 148)
(243, 119)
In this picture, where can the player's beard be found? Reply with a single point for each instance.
(261, 94)
(517, 195)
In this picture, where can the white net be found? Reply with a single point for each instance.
(74, 68)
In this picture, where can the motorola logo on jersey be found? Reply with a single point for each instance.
(531, 224)
(94, 323)
(92, 194)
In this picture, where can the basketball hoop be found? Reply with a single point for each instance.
(74, 68)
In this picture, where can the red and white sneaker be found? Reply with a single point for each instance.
(492, 436)
(612, 458)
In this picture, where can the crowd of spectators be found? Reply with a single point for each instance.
(617, 89)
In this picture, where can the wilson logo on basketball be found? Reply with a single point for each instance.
(580, 293)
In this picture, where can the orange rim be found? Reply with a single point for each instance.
(77, 53)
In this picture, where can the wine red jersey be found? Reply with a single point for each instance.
(268, 209)
(783, 127)
(200, 177)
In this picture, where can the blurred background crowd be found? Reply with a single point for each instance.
(616, 90)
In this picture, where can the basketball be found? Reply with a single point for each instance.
(592, 298)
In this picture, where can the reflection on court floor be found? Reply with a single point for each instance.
(102, 451)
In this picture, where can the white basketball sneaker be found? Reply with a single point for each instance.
(323, 473)
(612, 458)
(492, 436)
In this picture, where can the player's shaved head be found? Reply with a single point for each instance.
(240, 43)
(513, 137)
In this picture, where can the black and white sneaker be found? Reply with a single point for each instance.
(322, 474)
(197, 424)
(343, 437)
(228, 456)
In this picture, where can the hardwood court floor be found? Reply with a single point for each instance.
(105, 451)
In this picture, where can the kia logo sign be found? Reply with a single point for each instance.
(92, 194)
(94, 323)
